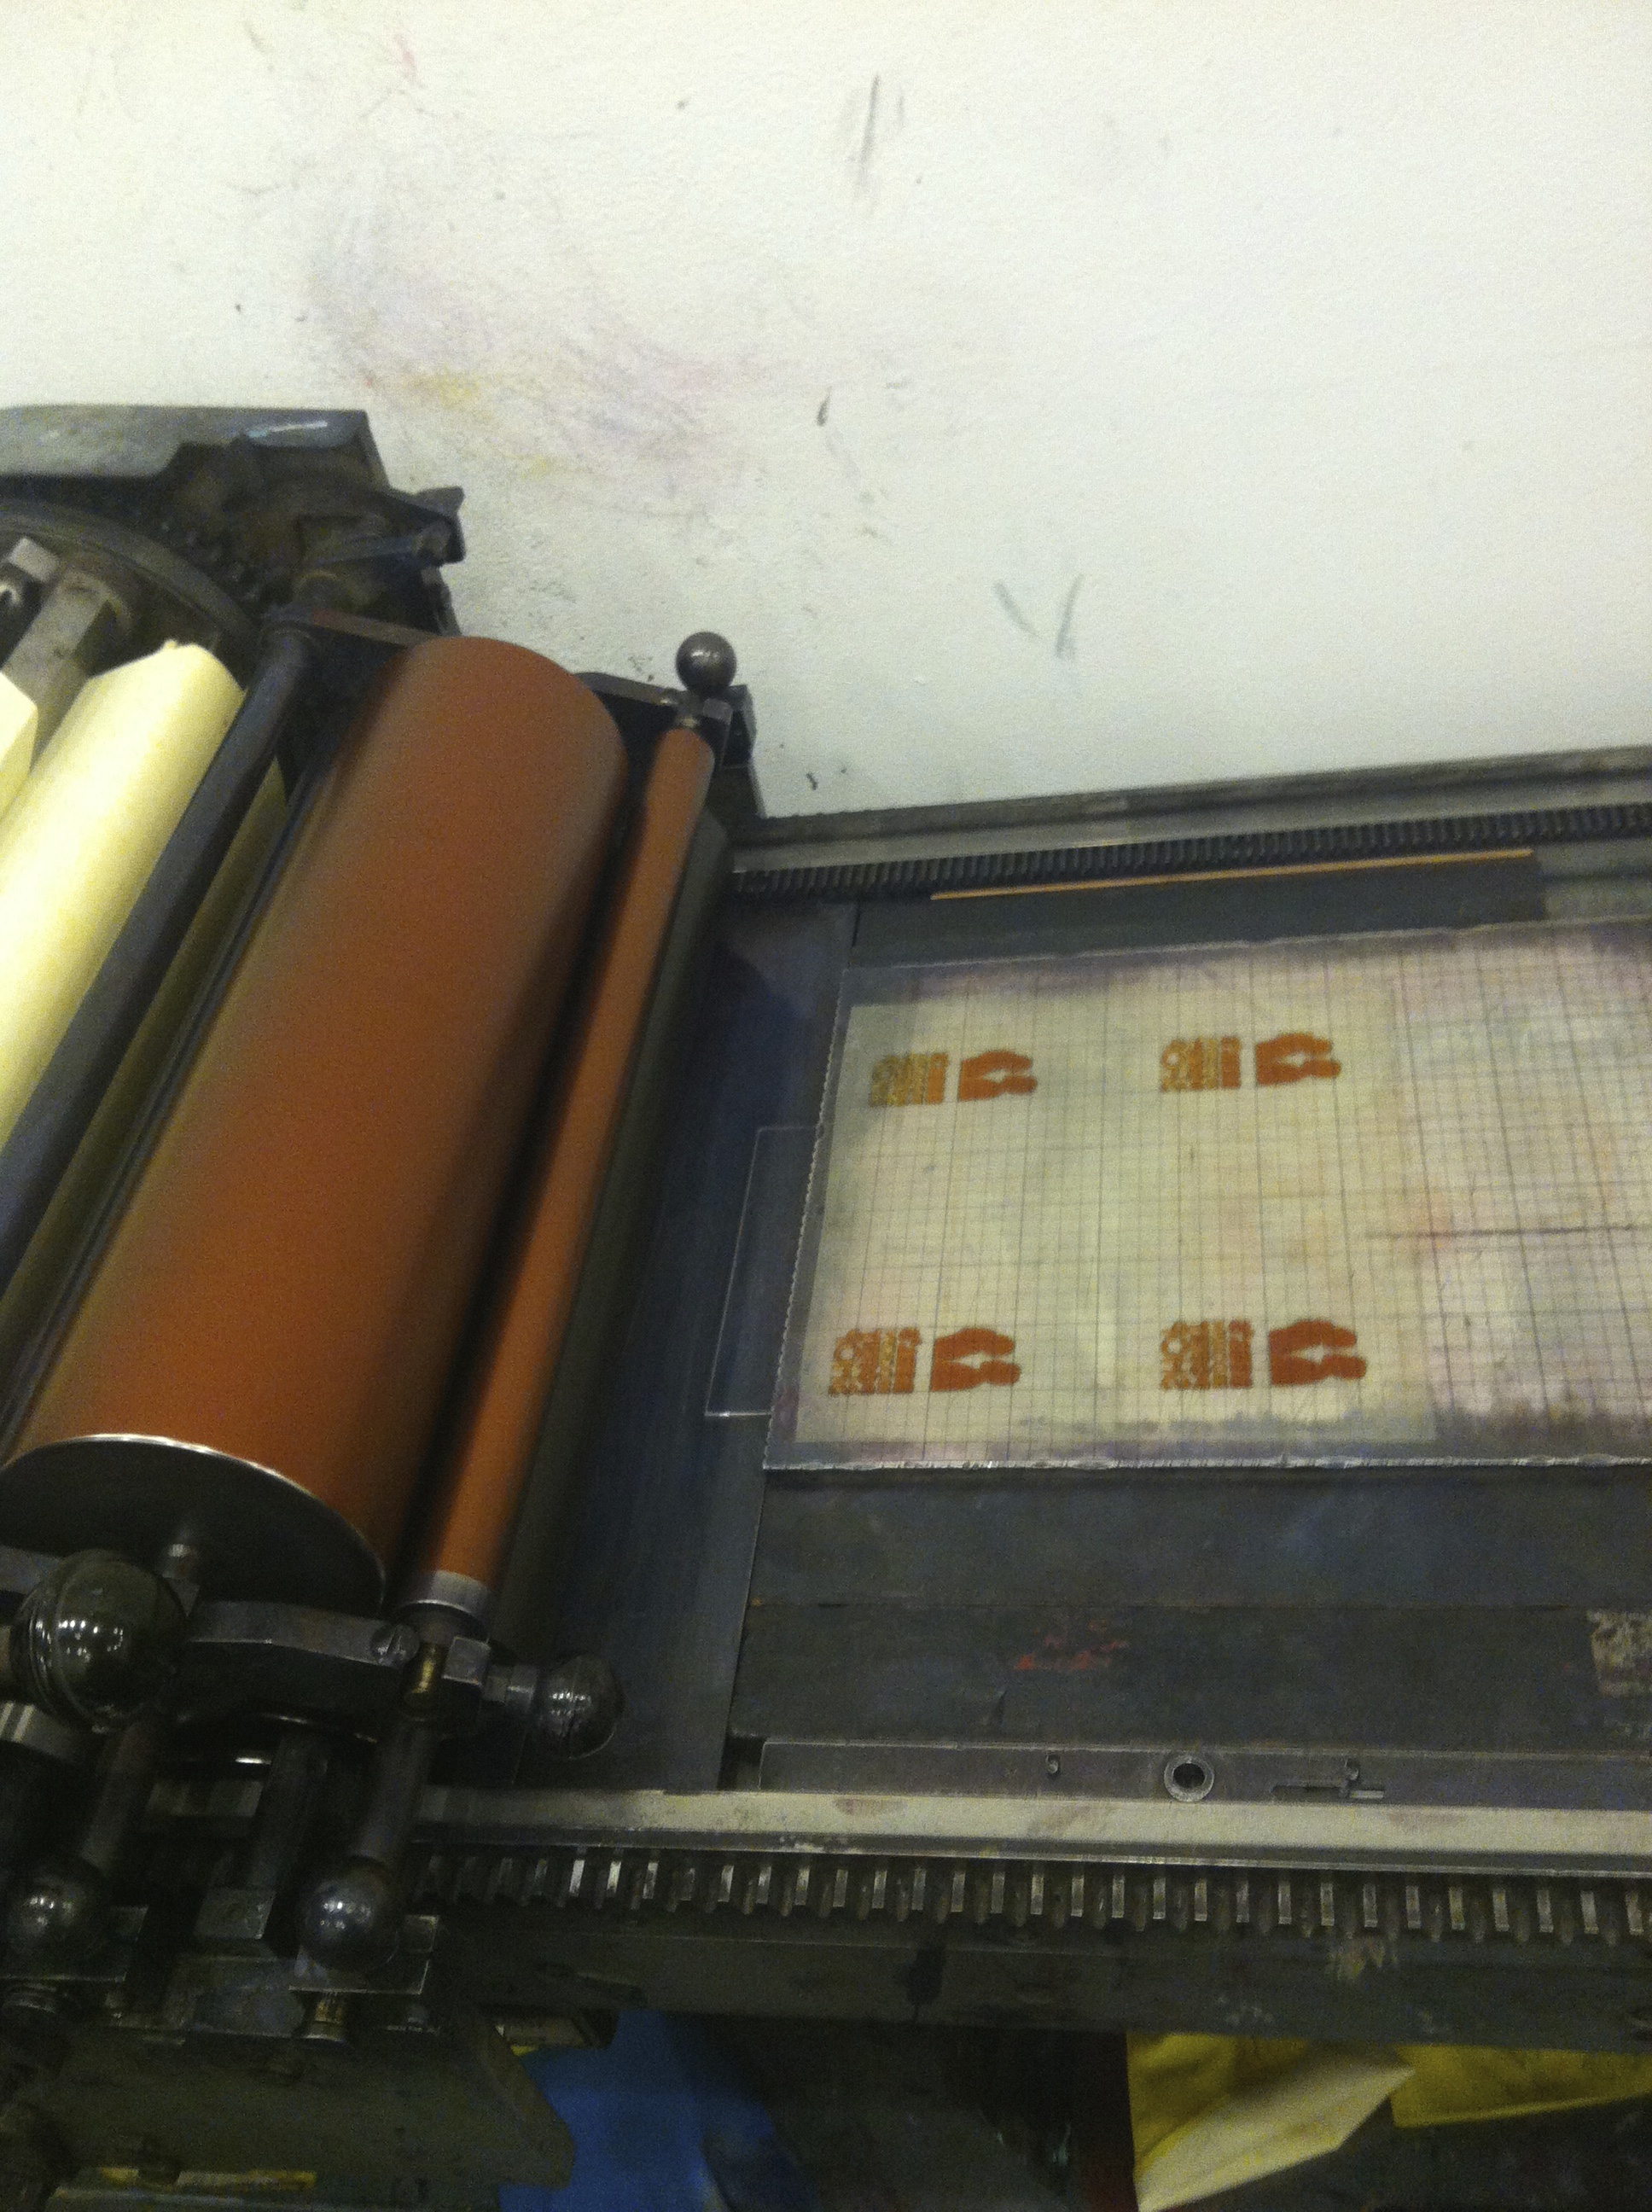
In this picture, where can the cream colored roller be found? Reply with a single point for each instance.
(80, 840)
(19, 718)
(43, 1266)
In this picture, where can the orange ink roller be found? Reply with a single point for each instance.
(256, 1369)
(480, 1486)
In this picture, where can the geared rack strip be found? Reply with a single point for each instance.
(1220, 852)
(1046, 1894)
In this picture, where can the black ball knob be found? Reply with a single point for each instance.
(34, 2032)
(705, 663)
(57, 1913)
(579, 1706)
(352, 1917)
(97, 1640)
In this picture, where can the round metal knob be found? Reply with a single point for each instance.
(59, 1912)
(580, 1705)
(352, 1917)
(97, 1640)
(34, 2030)
(705, 663)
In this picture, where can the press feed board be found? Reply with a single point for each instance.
(1324, 1200)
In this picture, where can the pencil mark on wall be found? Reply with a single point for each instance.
(1066, 648)
(1001, 593)
(868, 140)
(821, 412)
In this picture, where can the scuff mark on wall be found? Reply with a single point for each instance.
(1218, 308)
(1001, 593)
(1066, 649)
(868, 143)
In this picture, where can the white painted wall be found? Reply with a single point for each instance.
(1043, 395)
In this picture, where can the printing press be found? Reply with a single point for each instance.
(1033, 1412)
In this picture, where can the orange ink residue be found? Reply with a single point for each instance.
(910, 1078)
(957, 1364)
(995, 1075)
(1206, 1063)
(1205, 1355)
(874, 1363)
(1294, 1057)
(1054, 1653)
(1288, 1349)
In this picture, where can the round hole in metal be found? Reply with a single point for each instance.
(1188, 1777)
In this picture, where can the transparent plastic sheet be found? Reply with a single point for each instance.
(1348, 1200)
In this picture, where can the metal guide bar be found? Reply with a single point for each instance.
(1051, 1895)
(1316, 845)
(1449, 1840)
(1413, 1841)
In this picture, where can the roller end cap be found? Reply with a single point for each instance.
(705, 664)
(352, 1918)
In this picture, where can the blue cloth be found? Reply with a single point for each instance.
(641, 2113)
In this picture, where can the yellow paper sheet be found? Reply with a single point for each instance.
(1175, 2079)
(1452, 2083)
(1210, 2113)
(80, 840)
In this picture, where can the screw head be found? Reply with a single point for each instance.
(327, 2020)
(705, 663)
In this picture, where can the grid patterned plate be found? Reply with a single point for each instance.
(1341, 1200)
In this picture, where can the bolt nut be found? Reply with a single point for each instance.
(1189, 1776)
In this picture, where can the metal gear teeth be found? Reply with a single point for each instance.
(1054, 1898)
(1220, 853)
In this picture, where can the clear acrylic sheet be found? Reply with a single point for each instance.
(1322, 1200)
